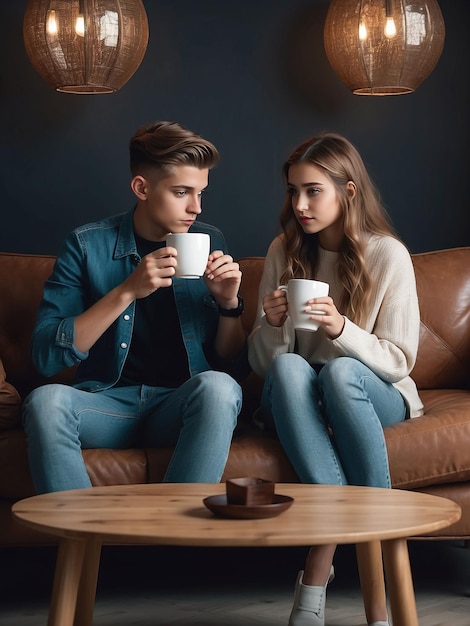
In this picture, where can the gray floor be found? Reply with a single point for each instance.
(152, 586)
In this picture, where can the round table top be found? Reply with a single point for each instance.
(174, 514)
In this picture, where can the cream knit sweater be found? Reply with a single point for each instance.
(387, 344)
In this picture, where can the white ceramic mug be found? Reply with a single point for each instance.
(298, 292)
(193, 251)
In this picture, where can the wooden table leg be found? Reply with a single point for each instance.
(88, 582)
(371, 575)
(67, 575)
(399, 582)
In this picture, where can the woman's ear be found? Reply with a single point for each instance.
(139, 187)
(351, 189)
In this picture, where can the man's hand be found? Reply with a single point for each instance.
(154, 271)
(223, 278)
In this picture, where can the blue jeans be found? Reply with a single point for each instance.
(331, 423)
(198, 418)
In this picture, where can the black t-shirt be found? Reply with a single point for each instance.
(157, 356)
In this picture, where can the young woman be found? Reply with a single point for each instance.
(330, 393)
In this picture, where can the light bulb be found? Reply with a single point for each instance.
(390, 29)
(362, 32)
(80, 26)
(51, 25)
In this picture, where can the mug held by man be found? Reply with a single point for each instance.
(193, 252)
(298, 292)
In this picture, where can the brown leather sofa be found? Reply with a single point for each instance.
(429, 453)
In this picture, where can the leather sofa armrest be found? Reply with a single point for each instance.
(10, 403)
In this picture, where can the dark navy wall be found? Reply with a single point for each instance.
(252, 76)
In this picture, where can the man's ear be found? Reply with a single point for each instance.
(351, 189)
(139, 187)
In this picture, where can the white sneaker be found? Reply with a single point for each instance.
(309, 603)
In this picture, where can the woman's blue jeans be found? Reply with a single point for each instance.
(331, 423)
(198, 418)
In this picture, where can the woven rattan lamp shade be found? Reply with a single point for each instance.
(368, 61)
(85, 46)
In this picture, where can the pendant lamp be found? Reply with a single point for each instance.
(85, 46)
(383, 47)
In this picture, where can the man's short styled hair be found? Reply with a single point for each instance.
(160, 146)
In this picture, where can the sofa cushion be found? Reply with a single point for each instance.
(22, 280)
(15, 478)
(104, 466)
(432, 449)
(443, 284)
(116, 467)
(9, 403)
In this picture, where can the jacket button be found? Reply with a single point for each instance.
(127, 317)
(123, 344)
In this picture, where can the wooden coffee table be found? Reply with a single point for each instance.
(378, 521)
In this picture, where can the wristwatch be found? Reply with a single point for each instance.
(236, 312)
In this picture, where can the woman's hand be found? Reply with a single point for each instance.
(275, 307)
(331, 319)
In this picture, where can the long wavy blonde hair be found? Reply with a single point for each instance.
(363, 216)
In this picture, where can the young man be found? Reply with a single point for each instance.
(152, 350)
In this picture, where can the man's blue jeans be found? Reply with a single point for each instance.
(198, 418)
(331, 423)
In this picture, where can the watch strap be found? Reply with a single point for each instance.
(236, 312)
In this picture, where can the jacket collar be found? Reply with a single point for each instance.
(125, 244)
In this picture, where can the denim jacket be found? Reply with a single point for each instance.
(94, 259)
